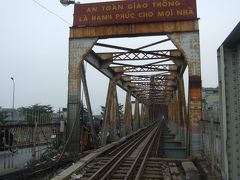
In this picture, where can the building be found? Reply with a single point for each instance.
(210, 104)
(210, 97)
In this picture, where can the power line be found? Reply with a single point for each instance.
(59, 17)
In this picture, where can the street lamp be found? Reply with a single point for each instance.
(67, 2)
(13, 96)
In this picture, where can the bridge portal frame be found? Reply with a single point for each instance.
(185, 36)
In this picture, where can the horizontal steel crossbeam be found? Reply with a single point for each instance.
(146, 55)
(151, 68)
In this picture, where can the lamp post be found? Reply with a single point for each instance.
(13, 96)
(67, 2)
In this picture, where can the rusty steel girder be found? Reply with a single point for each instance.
(128, 125)
(111, 121)
(152, 68)
(145, 78)
(156, 84)
(188, 43)
(156, 91)
(155, 87)
(164, 77)
(147, 55)
(127, 30)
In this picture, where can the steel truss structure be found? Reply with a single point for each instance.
(153, 77)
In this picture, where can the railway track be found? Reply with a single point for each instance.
(122, 162)
(131, 159)
(140, 157)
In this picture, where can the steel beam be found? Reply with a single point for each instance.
(89, 107)
(135, 29)
(78, 50)
(146, 55)
(229, 86)
(223, 110)
(128, 114)
(111, 121)
(136, 121)
(188, 43)
(152, 68)
(182, 110)
(145, 115)
(96, 62)
(134, 54)
(147, 78)
(142, 116)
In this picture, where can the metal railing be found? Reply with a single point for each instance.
(211, 141)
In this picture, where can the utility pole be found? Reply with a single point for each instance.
(13, 96)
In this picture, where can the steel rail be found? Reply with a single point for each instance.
(142, 166)
(158, 146)
(117, 164)
(125, 143)
(137, 160)
(108, 168)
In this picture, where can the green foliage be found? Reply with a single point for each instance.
(120, 111)
(39, 108)
(3, 116)
(40, 113)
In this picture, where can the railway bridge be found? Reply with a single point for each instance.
(152, 75)
(163, 133)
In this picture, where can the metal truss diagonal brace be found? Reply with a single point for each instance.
(89, 108)
(111, 121)
(144, 115)
(136, 122)
(96, 62)
(182, 110)
(128, 114)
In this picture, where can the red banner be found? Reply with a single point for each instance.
(133, 11)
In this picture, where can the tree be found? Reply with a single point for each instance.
(3, 116)
(39, 108)
(38, 112)
(120, 111)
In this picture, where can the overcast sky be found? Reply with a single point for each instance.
(34, 49)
